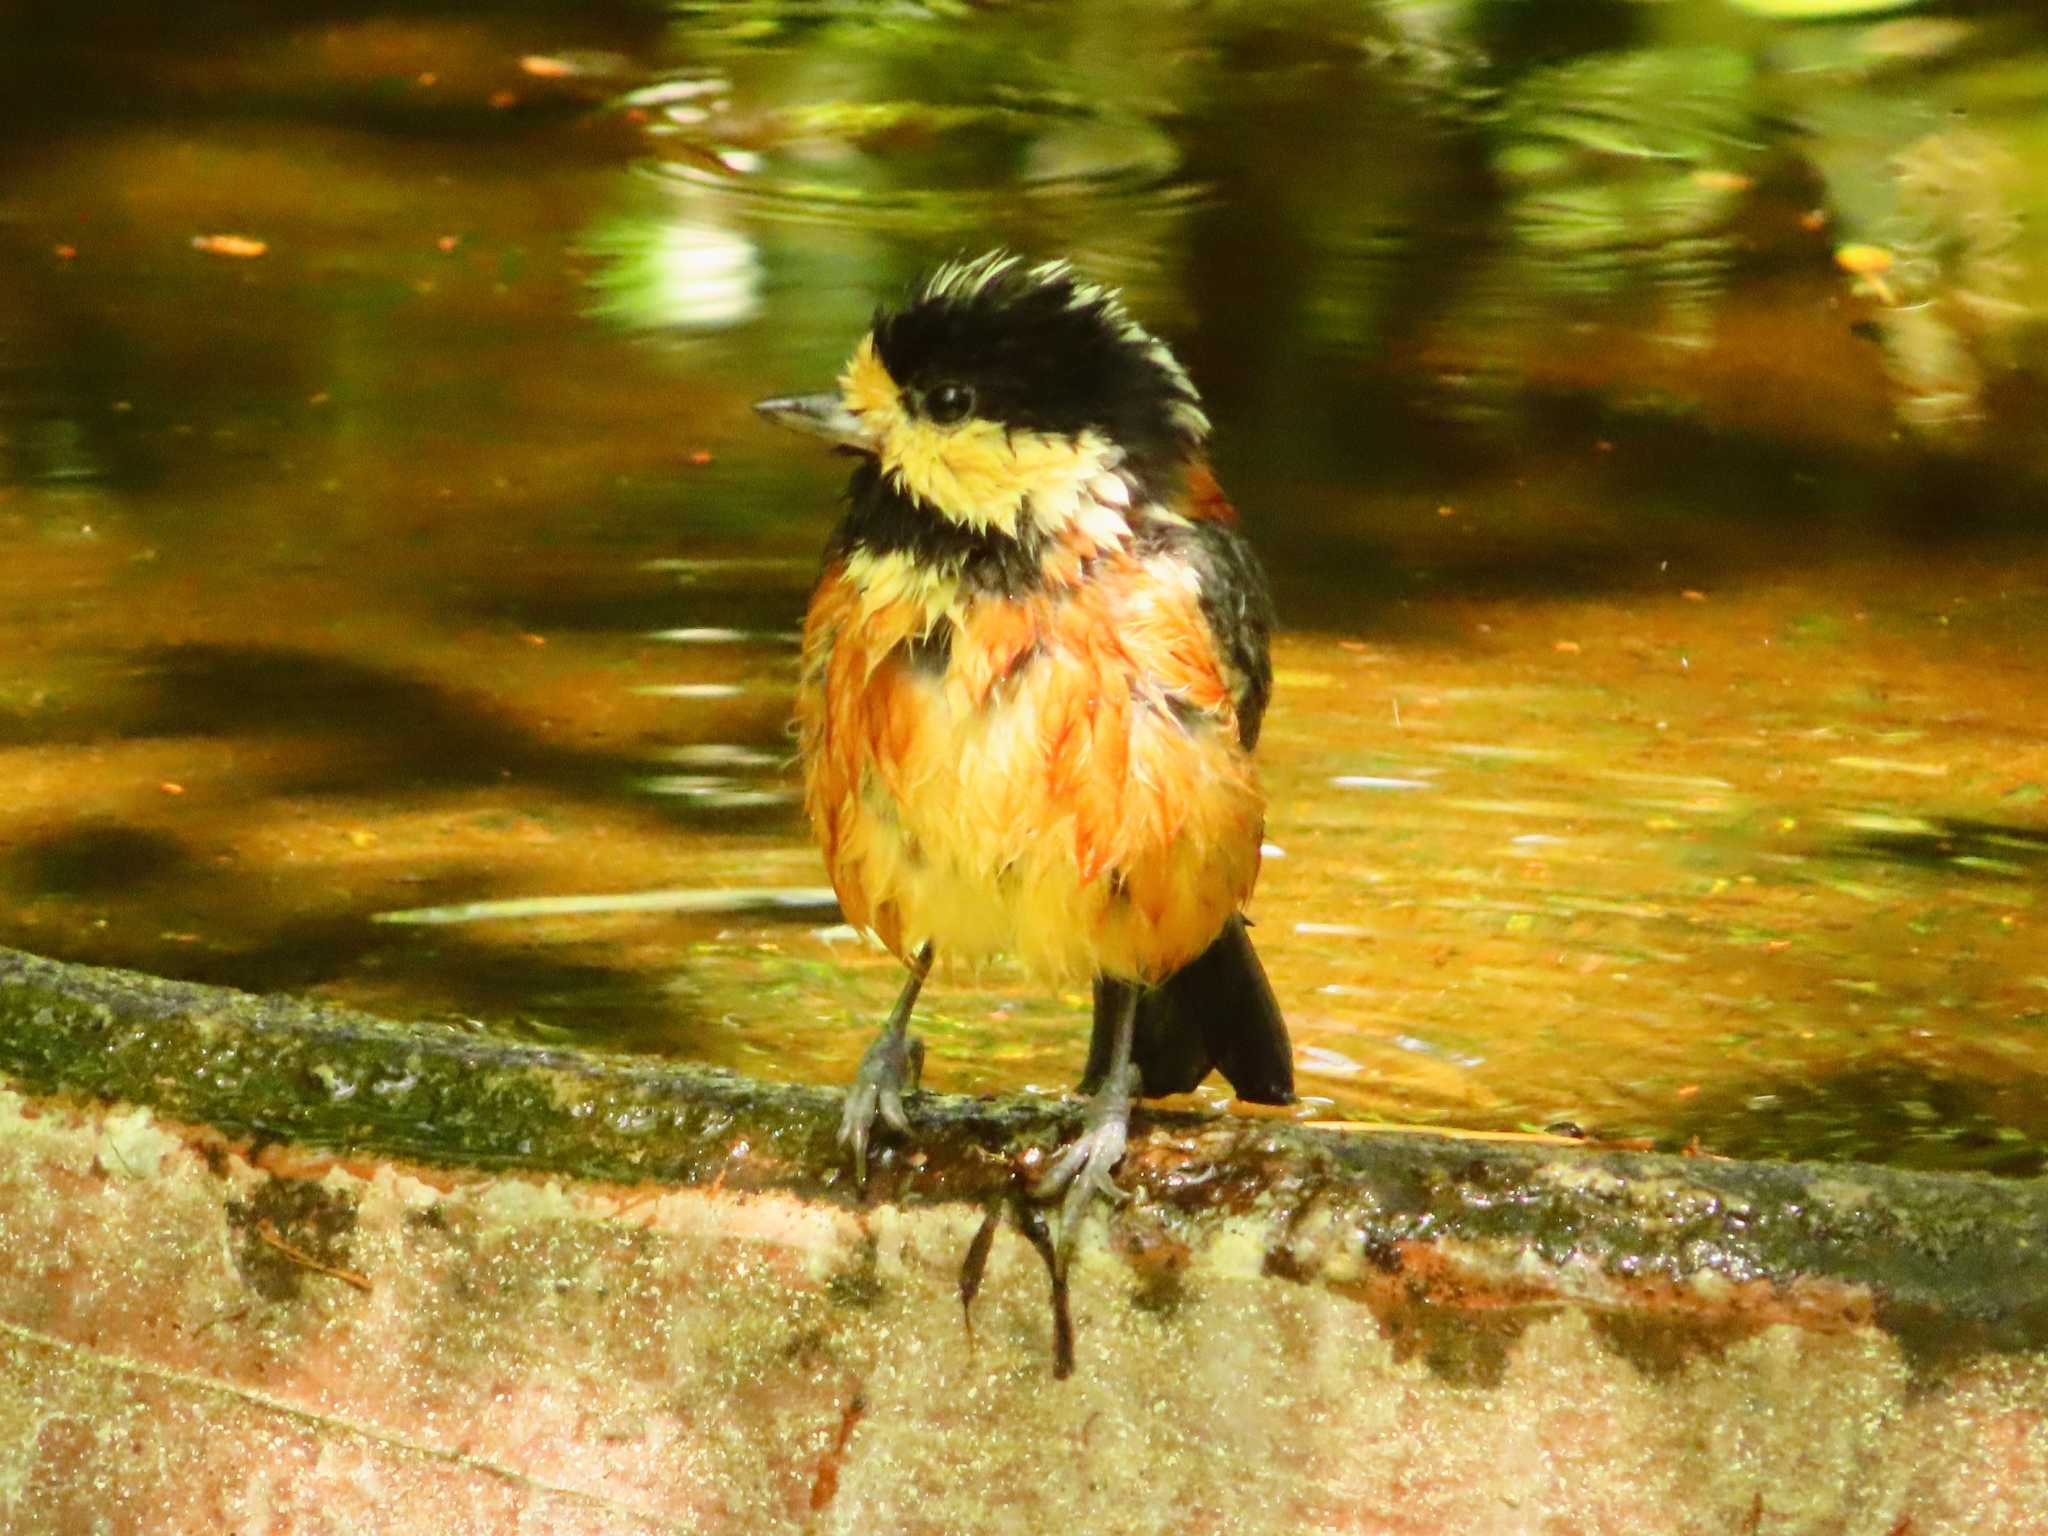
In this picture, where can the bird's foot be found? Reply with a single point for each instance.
(890, 1069)
(1083, 1168)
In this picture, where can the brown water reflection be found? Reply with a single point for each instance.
(1658, 742)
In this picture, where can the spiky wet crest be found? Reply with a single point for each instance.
(1015, 400)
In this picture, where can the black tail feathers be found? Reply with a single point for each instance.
(1216, 1013)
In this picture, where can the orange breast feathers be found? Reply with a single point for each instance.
(1058, 776)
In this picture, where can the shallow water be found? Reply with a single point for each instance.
(1641, 422)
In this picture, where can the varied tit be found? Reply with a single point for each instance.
(1033, 674)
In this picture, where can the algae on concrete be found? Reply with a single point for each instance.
(1949, 1264)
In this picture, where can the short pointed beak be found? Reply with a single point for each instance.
(823, 416)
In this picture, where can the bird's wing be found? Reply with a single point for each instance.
(1234, 597)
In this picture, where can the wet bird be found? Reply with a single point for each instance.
(1033, 673)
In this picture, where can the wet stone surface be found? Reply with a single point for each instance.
(1415, 1226)
(705, 1329)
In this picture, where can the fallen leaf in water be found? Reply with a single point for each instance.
(240, 246)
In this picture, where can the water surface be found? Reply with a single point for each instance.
(1641, 422)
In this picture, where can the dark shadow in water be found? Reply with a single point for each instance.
(391, 734)
(106, 59)
(1699, 507)
(1989, 850)
(413, 729)
(512, 989)
(54, 391)
(391, 731)
(1897, 1113)
(98, 858)
(762, 610)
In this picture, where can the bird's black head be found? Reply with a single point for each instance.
(1038, 350)
(1010, 399)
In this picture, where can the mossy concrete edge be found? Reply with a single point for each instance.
(1951, 1265)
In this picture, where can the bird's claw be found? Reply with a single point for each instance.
(1083, 1168)
(890, 1069)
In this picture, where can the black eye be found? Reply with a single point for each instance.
(949, 403)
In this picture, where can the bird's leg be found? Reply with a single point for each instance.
(890, 1069)
(1083, 1168)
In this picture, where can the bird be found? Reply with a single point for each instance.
(1032, 675)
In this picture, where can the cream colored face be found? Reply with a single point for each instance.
(979, 473)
